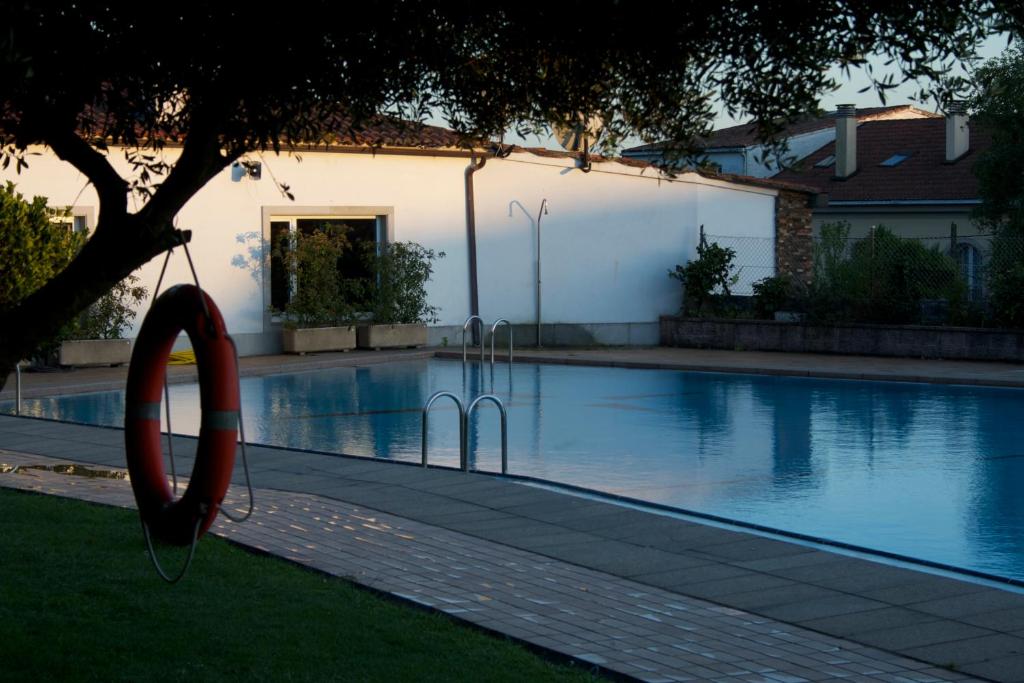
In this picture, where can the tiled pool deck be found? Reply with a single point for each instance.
(641, 594)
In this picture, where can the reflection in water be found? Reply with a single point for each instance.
(920, 470)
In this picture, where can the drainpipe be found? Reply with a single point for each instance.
(474, 297)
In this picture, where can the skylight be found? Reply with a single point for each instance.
(826, 162)
(895, 159)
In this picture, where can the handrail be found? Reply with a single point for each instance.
(504, 430)
(494, 328)
(465, 326)
(462, 426)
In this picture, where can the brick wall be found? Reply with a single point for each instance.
(794, 245)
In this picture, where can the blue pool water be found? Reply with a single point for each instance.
(927, 471)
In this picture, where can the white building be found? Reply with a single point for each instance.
(606, 244)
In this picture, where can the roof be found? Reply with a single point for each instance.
(387, 135)
(769, 183)
(924, 176)
(745, 134)
(384, 135)
(382, 131)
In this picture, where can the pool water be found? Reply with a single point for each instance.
(927, 471)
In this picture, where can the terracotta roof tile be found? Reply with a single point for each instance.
(923, 176)
(387, 132)
(745, 134)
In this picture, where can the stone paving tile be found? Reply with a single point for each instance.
(1004, 668)
(640, 528)
(920, 635)
(757, 600)
(752, 549)
(741, 584)
(987, 600)
(924, 587)
(972, 650)
(871, 620)
(1003, 620)
(821, 608)
(630, 628)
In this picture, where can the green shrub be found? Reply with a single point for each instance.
(771, 294)
(318, 297)
(881, 279)
(110, 315)
(399, 294)
(706, 279)
(35, 245)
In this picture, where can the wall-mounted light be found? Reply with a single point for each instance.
(246, 169)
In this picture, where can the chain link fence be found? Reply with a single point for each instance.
(754, 260)
(887, 278)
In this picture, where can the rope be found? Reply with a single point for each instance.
(170, 441)
(245, 459)
(187, 357)
(156, 562)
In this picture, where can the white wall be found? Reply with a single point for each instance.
(608, 242)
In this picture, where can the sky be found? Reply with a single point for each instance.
(847, 93)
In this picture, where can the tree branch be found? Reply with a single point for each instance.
(111, 187)
(201, 159)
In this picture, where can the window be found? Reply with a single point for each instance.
(76, 218)
(969, 259)
(366, 227)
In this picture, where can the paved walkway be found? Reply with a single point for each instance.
(624, 627)
(673, 571)
(793, 364)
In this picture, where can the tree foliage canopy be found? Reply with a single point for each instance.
(998, 104)
(35, 245)
(81, 78)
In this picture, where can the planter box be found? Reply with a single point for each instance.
(314, 339)
(911, 341)
(86, 352)
(392, 336)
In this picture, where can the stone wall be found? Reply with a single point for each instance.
(911, 341)
(794, 244)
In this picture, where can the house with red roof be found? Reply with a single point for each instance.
(737, 150)
(914, 176)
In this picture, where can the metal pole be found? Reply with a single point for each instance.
(17, 388)
(543, 210)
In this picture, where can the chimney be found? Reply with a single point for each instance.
(846, 140)
(958, 135)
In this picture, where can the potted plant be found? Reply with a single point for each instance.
(318, 315)
(95, 336)
(397, 299)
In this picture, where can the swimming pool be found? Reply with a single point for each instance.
(927, 471)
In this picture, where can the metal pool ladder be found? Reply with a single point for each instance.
(494, 329)
(464, 416)
(483, 334)
(465, 326)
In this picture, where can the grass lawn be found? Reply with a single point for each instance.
(79, 600)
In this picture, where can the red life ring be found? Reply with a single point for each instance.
(181, 308)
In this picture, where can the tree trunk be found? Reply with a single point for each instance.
(110, 255)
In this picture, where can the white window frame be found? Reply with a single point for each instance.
(78, 218)
(278, 214)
